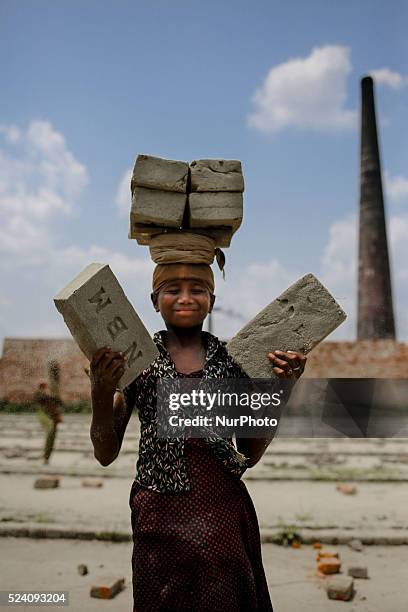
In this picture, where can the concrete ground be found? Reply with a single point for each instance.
(293, 488)
(293, 584)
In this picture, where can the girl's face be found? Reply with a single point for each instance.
(184, 302)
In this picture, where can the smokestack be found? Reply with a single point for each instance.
(375, 309)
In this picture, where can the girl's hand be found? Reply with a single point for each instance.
(289, 364)
(106, 369)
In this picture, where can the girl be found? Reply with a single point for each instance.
(195, 530)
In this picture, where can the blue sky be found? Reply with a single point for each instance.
(87, 86)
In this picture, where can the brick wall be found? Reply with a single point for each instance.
(24, 364)
(362, 359)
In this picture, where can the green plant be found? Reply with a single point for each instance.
(287, 534)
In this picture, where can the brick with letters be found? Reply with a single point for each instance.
(297, 320)
(98, 313)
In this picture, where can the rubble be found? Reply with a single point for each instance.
(107, 587)
(358, 571)
(47, 482)
(346, 489)
(340, 588)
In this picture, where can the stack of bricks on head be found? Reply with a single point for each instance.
(203, 197)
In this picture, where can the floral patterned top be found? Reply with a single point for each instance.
(161, 465)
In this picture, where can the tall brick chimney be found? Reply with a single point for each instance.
(375, 309)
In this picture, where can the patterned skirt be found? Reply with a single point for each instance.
(200, 550)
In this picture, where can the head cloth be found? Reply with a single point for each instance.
(183, 255)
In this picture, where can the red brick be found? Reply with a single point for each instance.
(106, 587)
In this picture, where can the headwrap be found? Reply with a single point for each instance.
(184, 255)
(182, 247)
(166, 272)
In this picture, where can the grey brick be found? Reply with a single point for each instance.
(358, 571)
(297, 320)
(98, 313)
(340, 588)
(47, 482)
(162, 208)
(159, 173)
(216, 175)
(215, 210)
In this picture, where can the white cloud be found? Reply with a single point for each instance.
(40, 182)
(123, 196)
(306, 93)
(59, 168)
(245, 292)
(75, 258)
(339, 271)
(399, 246)
(39, 178)
(396, 187)
(389, 78)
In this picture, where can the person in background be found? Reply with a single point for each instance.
(49, 415)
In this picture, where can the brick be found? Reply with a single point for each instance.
(158, 173)
(327, 554)
(358, 571)
(356, 545)
(297, 320)
(106, 587)
(329, 565)
(98, 313)
(340, 588)
(162, 208)
(346, 489)
(24, 365)
(92, 484)
(363, 359)
(143, 233)
(216, 175)
(46, 483)
(215, 209)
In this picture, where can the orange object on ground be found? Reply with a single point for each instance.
(329, 566)
(326, 554)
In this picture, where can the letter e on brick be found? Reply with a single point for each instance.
(115, 327)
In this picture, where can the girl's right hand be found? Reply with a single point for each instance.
(106, 369)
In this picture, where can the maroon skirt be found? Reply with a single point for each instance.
(198, 550)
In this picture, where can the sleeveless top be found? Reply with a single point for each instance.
(161, 465)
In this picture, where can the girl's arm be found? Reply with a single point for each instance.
(289, 365)
(103, 434)
(106, 370)
(253, 448)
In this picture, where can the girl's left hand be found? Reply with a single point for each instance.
(289, 364)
